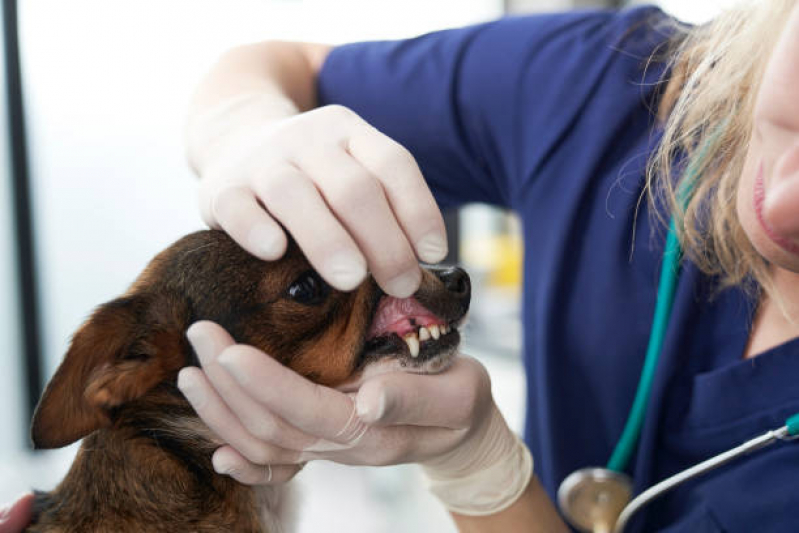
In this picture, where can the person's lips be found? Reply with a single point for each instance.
(760, 200)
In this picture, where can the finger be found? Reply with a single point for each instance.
(405, 188)
(227, 461)
(236, 210)
(449, 399)
(311, 408)
(235, 416)
(391, 445)
(15, 517)
(213, 411)
(294, 200)
(359, 202)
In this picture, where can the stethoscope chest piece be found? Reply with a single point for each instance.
(592, 498)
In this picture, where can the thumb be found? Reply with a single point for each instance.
(450, 399)
(15, 517)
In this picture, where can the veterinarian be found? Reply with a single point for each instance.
(596, 128)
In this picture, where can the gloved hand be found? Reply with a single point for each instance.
(275, 420)
(15, 517)
(261, 164)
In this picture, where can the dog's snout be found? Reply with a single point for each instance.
(456, 280)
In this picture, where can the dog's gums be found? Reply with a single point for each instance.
(143, 442)
(415, 336)
(406, 320)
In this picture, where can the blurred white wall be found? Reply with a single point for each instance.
(693, 11)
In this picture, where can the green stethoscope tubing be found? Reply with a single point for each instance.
(667, 286)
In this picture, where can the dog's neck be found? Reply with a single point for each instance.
(154, 473)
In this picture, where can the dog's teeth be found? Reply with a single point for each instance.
(413, 344)
(444, 329)
(434, 331)
(424, 334)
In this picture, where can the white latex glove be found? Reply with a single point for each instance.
(262, 166)
(275, 420)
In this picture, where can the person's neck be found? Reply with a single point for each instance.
(777, 320)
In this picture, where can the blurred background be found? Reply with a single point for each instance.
(93, 183)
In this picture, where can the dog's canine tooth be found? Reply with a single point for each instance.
(413, 344)
(434, 331)
(424, 334)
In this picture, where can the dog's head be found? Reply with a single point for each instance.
(136, 344)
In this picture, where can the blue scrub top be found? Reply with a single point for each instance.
(551, 116)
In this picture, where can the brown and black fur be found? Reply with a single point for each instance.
(145, 462)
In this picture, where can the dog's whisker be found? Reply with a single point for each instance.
(198, 248)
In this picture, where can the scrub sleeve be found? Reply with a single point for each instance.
(551, 116)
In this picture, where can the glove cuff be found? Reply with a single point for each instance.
(210, 128)
(495, 484)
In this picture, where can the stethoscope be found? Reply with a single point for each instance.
(598, 500)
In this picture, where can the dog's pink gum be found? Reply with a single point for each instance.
(395, 315)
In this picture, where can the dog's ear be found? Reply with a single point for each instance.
(126, 347)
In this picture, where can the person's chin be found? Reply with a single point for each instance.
(774, 254)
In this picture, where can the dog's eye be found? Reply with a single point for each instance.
(135, 356)
(308, 289)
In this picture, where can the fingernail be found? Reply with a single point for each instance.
(345, 270)
(371, 411)
(220, 465)
(200, 342)
(432, 248)
(405, 284)
(228, 362)
(188, 387)
(184, 381)
(265, 241)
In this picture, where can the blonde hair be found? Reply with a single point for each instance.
(708, 105)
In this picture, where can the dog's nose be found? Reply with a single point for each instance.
(456, 280)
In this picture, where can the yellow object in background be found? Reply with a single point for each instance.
(509, 254)
(497, 255)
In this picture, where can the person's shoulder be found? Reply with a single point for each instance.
(636, 30)
(643, 28)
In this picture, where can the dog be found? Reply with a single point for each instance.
(145, 461)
